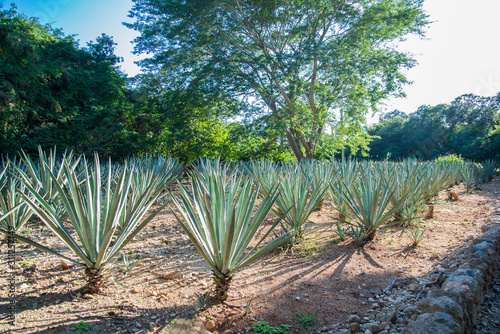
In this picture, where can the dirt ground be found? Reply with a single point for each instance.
(324, 280)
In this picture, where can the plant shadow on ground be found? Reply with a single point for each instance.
(328, 281)
(119, 319)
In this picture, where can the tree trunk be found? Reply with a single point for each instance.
(295, 146)
(95, 282)
(222, 287)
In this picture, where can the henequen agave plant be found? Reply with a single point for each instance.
(299, 195)
(488, 170)
(408, 184)
(469, 175)
(94, 209)
(368, 204)
(218, 219)
(163, 170)
(35, 173)
(11, 200)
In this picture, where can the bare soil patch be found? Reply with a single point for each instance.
(322, 279)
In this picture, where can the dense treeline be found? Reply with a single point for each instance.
(55, 93)
(469, 126)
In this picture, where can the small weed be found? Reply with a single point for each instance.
(390, 239)
(120, 284)
(26, 231)
(82, 327)
(264, 327)
(26, 263)
(416, 236)
(246, 308)
(335, 241)
(202, 299)
(305, 321)
(173, 321)
(127, 263)
(341, 232)
(311, 246)
(461, 223)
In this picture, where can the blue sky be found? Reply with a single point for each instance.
(461, 54)
(88, 19)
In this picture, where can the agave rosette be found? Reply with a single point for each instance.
(219, 220)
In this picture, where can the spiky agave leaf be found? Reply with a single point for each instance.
(93, 209)
(151, 177)
(35, 173)
(218, 219)
(10, 199)
(368, 204)
(299, 195)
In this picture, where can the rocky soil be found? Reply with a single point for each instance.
(392, 309)
(374, 289)
(489, 318)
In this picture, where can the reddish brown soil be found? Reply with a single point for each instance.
(324, 279)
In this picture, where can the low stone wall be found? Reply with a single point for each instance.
(455, 306)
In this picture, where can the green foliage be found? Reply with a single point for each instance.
(256, 141)
(185, 124)
(305, 321)
(451, 158)
(218, 218)
(265, 328)
(415, 235)
(82, 327)
(94, 208)
(55, 93)
(462, 129)
(290, 57)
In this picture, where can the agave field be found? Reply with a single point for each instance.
(147, 244)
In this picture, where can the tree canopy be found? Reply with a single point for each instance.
(52, 92)
(237, 80)
(309, 64)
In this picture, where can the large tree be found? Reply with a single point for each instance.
(311, 63)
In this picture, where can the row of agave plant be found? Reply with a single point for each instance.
(96, 208)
